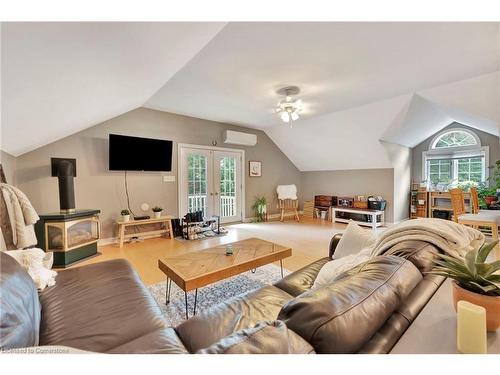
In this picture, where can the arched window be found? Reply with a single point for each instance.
(455, 138)
(455, 157)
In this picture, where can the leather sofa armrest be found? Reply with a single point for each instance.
(333, 244)
(301, 280)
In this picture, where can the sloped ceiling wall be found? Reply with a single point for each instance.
(364, 82)
(60, 78)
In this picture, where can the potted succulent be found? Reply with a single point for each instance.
(125, 215)
(157, 211)
(259, 208)
(474, 281)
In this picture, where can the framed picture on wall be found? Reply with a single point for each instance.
(255, 169)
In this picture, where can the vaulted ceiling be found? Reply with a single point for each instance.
(361, 82)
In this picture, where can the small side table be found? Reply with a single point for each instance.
(167, 220)
(434, 331)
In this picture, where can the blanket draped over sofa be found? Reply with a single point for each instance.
(453, 239)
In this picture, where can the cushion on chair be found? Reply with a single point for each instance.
(482, 216)
(287, 192)
(264, 338)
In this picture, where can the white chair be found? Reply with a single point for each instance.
(287, 200)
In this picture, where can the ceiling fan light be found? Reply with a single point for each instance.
(285, 117)
(295, 116)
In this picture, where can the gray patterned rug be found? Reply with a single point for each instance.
(214, 294)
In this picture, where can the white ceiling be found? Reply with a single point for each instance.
(359, 81)
(60, 78)
(337, 65)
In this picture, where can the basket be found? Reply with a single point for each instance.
(360, 204)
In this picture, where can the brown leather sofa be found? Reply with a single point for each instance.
(104, 307)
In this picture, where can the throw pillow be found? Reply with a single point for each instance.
(353, 240)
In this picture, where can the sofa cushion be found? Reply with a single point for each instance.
(238, 313)
(341, 317)
(99, 307)
(264, 338)
(162, 341)
(301, 280)
(19, 306)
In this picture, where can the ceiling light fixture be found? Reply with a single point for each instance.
(289, 109)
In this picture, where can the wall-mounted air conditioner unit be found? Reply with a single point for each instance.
(238, 138)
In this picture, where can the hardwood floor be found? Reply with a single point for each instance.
(308, 239)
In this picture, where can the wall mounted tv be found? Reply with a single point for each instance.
(139, 154)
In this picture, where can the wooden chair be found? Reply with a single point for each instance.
(288, 204)
(474, 200)
(477, 219)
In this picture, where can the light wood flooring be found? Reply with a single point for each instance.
(308, 239)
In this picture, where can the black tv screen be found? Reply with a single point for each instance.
(139, 154)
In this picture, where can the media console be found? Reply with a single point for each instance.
(362, 216)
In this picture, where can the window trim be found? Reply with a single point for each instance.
(432, 145)
(456, 153)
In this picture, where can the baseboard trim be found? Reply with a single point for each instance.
(271, 216)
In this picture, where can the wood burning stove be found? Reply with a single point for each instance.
(70, 236)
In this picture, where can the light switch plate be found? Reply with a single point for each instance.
(168, 178)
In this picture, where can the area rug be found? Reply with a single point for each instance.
(214, 294)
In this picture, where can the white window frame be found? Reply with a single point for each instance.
(455, 152)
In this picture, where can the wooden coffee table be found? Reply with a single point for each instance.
(199, 268)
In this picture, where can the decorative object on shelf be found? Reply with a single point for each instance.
(471, 328)
(255, 169)
(377, 203)
(475, 280)
(125, 215)
(345, 201)
(360, 201)
(259, 208)
(70, 236)
(157, 211)
(288, 109)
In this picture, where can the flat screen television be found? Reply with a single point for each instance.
(139, 154)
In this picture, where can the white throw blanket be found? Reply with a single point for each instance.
(287, 192)
(38, 264)
(22, 216)
(453, 239)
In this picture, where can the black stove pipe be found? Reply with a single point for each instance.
(65, 176)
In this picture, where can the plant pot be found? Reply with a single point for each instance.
(490, 303)
(490, 199)
(125, 217)
(157, 214)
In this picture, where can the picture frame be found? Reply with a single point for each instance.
(255, 168)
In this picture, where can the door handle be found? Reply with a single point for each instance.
(211, 193)
(216, 193)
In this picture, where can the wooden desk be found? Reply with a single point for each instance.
(434, 331)
(167, 220)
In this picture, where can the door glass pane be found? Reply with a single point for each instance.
(227, 187)
(197, 183)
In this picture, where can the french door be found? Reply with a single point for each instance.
(211, 180)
